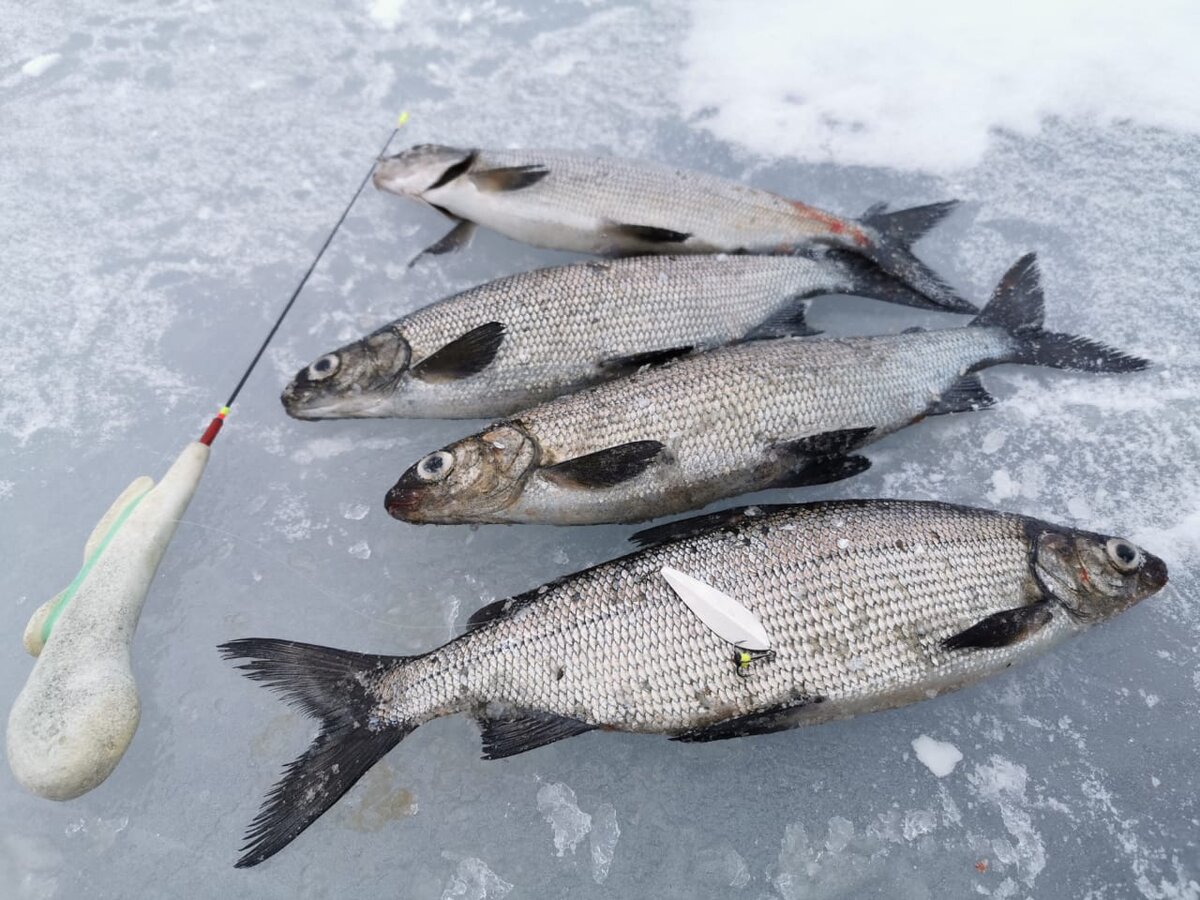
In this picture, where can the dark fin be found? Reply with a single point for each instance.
(890, 250)
(787, 322)
(1017, 303)
(645, 234)
(508, 735)
(694, 525)
(1001, 629)
(829, 443)
(462, 357)
(1018, 306)
(824, 470)
(454, 171)
(605, 468)
(509, 179)
(635, 361)
(328, 685)
(965, 395)
(1066, 351)
(868, 280)
(455, 239)
(915, 329)
(497, 609)
(777, 718)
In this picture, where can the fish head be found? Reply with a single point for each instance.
(412, 172)
(1096, 576)
(470, 480)
(355, 381)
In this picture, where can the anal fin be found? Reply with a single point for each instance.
(787, 322)
(1002, 629)
(456, 238)
(516, 732)
(965, 395)
(605, 468)
(777, 718)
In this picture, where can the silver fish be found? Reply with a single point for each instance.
(778, 413)
(870, 605)
(507, 344)
(571, 201)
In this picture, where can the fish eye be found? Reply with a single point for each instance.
(324, 367)
(1124, 556)
(435, 466)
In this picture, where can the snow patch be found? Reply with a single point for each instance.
(605, 833)
(923, 85)
(556, 802)
(474, 880)
(1003, 783)
(939, 757)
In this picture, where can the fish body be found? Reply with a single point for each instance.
(587, 204)
(516, 341)
(868, 605)
(741, 418)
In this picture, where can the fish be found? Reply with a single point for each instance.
(587, 204)
(870, 605)
(748, 417)
(510, 343)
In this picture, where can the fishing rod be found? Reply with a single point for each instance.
(79, 708)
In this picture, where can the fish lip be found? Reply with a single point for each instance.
(402, 502)
(1154, 572)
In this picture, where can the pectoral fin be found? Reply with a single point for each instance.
(462, 357)
(456, 238)
(645, 234)
(513, 178)
(605, 468)
(515, 733)
(1001, 629)
(824, 470)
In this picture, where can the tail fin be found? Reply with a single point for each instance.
(891, 250)
(866, 279)
(1018, 306)
(330, 685)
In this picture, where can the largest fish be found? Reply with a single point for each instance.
(868, 605)
(589, 204)
(778, 413)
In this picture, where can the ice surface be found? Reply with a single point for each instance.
(166, 181)
(939, 757)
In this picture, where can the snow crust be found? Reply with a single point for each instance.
(939, 757)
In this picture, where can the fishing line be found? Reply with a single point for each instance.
(214, 427)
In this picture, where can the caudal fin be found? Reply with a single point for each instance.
(1018, 306)
(334, 687)
(891, 250)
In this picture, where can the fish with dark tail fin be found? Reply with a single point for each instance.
(757, 415)
(516, 341)
(869, 605)
(571, 201)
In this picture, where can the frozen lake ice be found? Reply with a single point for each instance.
(169, 168)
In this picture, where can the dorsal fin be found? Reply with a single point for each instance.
(635, 361)
(462, 357)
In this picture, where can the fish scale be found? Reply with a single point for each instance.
(615, 627)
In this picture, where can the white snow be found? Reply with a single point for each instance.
(939, 757)
(925, 84)
(474, 880)
(569, 824)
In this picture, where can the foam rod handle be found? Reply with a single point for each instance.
(77, 713)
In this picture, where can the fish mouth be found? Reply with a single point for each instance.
(1154, 576)
(402, 502)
